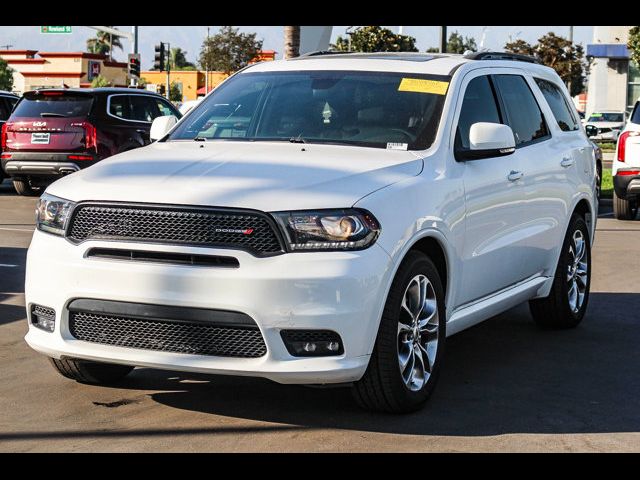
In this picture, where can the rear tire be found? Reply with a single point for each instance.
(566, 305)
(412, 333)
(24, 188)
(624, 209)
(95, 373)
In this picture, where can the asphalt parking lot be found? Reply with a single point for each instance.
(505, 386)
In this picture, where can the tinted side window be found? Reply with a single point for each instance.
(558, 104)
(119, 106)
(164, 108)
(143, 109)
(523, 113)
(478, 105)
(635, 116)
(5, 109)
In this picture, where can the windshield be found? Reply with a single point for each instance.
(375, 109)
(53, 104)
(606, 117)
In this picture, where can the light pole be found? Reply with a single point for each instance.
(443, 39)
(348, 32)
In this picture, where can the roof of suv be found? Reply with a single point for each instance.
(4, 92)
(99, 90)
(409, 62)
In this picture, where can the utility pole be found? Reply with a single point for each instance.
(5, 47)
(570, 46)
(443, 39)
(206, 66)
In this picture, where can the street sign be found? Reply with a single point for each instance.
(52, 29)
(94, 70)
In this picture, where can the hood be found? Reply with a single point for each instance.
(267, 176)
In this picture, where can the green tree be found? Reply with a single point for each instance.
(634, 45)
(99, 82)
(459, 44)
(175, 92)
(104, 43)
(521, 47)
(179, 60)
(6, 76)
(375, 39)
(228, 51)
(566, 58)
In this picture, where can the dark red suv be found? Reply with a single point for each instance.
(54, 132)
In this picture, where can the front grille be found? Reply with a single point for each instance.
(226, 228)
(167, 336)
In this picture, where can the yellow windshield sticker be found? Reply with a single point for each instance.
(420, 85)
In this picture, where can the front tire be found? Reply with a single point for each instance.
(24, 188)
(566, 305)
(94, 373)
(624, 209)
(405, 363)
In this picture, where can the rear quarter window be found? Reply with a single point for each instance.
(558, 105)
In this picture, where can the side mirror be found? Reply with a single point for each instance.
(161, 126)
(488, 140)
(591, 130)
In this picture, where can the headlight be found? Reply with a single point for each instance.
(347, 229)
(52, 214)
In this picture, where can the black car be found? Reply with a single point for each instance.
(54, 132)
(7, 102)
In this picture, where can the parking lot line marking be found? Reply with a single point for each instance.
(7, 265)
(18, 229)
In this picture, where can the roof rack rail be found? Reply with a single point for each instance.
(323, 52)
(501, 56)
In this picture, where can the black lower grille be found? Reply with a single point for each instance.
(212, 227)
(167, 336)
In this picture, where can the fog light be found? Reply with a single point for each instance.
(43, 318)
(312, 343)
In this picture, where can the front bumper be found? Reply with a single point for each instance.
(340, 291)
(21, 164)
(626, 186)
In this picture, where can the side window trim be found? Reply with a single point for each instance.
(127, 95)
(544, 119)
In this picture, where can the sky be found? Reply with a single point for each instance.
(190, 38)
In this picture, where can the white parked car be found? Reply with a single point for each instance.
(188, 105)
(626, 169)
(324, 220)
(609, 124)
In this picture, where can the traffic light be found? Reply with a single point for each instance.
(134, 65)
(158, 62)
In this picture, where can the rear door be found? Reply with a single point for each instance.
(49, 121)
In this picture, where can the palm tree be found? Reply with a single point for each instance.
(104, 43)
(291, 42)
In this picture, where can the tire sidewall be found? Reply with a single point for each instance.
(413, 265)
(576, 223)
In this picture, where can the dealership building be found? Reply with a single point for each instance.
(33, 69)
(614, 79)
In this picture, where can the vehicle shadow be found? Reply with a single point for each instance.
(12, 269)
(503, 376)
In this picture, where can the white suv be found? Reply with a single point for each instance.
(329, 219)
(626, 169)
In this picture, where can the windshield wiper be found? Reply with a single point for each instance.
(199, 139)
(297, 139)
(47, 114)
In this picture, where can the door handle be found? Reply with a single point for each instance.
(567, 162)
(515, 175)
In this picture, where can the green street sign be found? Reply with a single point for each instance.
(51, 29)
